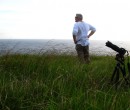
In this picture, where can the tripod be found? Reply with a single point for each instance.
(120, 67)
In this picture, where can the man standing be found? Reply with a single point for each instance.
(81, 37)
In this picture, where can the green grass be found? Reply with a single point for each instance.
(59, 82)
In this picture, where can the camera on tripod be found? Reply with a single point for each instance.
(120, 66)
(121, 51)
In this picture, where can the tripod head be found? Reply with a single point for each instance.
(120, 57)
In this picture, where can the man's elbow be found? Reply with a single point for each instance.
(93, 31)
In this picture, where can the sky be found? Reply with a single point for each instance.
(54, 19)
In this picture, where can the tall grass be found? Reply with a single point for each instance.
(59, 82)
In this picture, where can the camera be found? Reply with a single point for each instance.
(121, 51)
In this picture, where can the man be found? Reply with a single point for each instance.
(81, 37)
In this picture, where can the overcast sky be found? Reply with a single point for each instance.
(54, 19)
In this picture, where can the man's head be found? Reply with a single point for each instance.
(78, 17)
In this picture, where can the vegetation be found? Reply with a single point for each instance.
(59, 82)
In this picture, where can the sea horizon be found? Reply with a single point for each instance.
(56, 46)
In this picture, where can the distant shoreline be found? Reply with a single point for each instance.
(55, 46)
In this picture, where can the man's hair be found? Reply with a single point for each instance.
(79, 16)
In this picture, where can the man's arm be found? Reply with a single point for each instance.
(75, 31)
(91, 33)
(74, 39)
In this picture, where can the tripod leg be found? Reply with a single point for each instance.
(128, 65)
(124, 74)
(117, 78)
(114, 72)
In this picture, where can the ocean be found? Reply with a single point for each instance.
(56, 46)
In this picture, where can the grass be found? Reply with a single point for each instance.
(59, 82)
